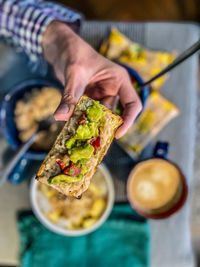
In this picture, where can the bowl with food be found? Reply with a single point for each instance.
(23, 107)
(71, 216)
(137, 82)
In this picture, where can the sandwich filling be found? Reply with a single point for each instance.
(80, 147)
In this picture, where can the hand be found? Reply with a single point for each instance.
(82, 70)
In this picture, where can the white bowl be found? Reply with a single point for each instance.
(58, 229)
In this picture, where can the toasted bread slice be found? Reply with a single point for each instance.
(50, 167)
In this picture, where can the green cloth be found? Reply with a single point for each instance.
(120, 241)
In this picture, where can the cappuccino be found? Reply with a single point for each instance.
(155, 186)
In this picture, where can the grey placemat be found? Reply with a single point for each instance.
(171, 242)
(118, 161)
(94, 32)
(196, 184)
(173, 235)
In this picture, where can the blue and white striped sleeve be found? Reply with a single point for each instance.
(23, 22)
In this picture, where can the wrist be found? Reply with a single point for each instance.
(56, 39)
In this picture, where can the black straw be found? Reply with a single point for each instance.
(182, 57)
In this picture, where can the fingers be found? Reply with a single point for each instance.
(130, 113)
(75, 86)
(110, 102)
(65, 108)
(132, 107)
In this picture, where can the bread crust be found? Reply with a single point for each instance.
(116, 122)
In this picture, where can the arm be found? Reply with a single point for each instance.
(82, 70)
(37, 27)
(22, 23)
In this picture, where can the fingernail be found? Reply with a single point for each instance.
(117, 135)
(61, 112)
(63, 108)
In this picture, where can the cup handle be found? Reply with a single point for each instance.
(17, 163)
(161, 150)
(18, 174)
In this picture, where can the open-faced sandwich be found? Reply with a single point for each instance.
(79, 148)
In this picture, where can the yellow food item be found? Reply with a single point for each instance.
(54, 215)
(97, 207)
(147, 118)
(156, 114)
(78, 213)
(45, 190)
(145, 61)
(31, 109)
(114, 45)
(70, 227)
(95, 190)
(87, 223)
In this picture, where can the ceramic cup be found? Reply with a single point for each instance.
(156, 187)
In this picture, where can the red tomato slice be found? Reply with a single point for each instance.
(132, 79)
(82, 119)
(96, 143)
(61, 164)
(72, 170)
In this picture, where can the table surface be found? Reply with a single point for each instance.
(170, 238)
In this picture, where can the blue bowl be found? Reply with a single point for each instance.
(144, 93)
(7, 122)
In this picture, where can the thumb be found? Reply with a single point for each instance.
(74, 89)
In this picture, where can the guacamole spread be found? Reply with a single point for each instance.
(94, 112)
(86, 131)
(62, 178)
(82, 145)
(78, 153)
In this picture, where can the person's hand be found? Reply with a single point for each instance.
(82, 70)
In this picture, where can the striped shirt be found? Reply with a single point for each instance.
(23, 22)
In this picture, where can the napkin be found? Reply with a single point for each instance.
(123, 240)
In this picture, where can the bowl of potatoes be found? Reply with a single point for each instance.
(71, 216)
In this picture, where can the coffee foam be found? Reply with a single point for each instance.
(154, 184)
